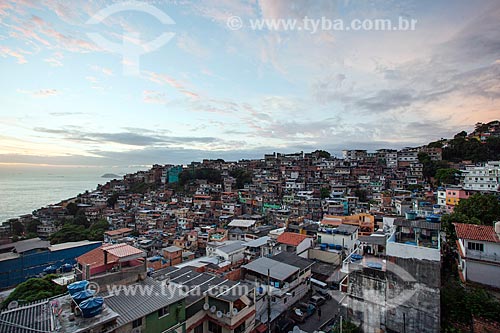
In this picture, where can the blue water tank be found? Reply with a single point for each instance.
(81, 296)
(323, 246)
(356, 256)
(338, 247)
(331, 246)
(77, 286)
(91, 307)
(67, 268)
(50, 269)
(432, 218)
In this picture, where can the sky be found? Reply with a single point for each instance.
(128, 84)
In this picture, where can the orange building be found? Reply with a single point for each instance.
(365, 222)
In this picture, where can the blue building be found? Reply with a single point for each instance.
(22, 260)
(173, 173)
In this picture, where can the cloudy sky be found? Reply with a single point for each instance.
(200, 88)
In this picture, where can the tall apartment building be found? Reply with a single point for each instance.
(483, 178)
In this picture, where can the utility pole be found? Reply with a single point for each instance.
(268, 300)
(340, 324)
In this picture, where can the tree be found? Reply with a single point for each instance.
(112, 200)
(324, 193)
(35, 289)
(32, 226)
(447, 176)
(322, 153)
(72, 208)
(17, 228)
(483, 207)
(361, 194)
(242, 176)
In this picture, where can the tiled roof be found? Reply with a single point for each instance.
(118, 231)
(291, 238)
(476, 232)
(122, 250)
(95, 258)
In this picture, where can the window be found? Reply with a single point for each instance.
(214, 328)
(475, 246)
(240, 329)
(163, 311)
(137, 323)
(199, 328)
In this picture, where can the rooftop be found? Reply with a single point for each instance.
(242, 223)
(118, 232)
(277, 270)
(293, 260)
(476, 232)
(132, 306)
(25, 245)
(291, 238)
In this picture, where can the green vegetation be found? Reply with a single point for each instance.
(322, 153)
(447, 176)
(478, 209)
(430, 168)
(482, 207)
(460, 302)
(462, 148)
(347, 327)
(324, 193)
(361, 194)
(72, 231)
(208, 174)
(242, 177)
(35, 289)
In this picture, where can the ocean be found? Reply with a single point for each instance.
(24, 189)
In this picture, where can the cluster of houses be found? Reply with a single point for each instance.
(231, 258)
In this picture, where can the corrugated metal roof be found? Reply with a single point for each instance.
(278, 270)
(134, 306)
(33, 317)
(259, 241)
(293, 260)
(423, 224)
(242, 223)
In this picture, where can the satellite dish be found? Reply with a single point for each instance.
(235, 311)
(213, 308)
(286, 285)
(219, 314)
(13, 305)
(228, 314)
(206, 306)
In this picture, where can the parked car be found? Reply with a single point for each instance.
(317, 300)
(298, 315)
(285, 325)
(308, 308)
(324, 293)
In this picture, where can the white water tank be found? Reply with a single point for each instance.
(497, 228)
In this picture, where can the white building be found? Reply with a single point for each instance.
(479, 253)
(483, 178)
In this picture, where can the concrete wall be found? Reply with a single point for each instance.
(325, 256)
(303, 246)
(483, 273)
(408, 251)
(404, 298)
